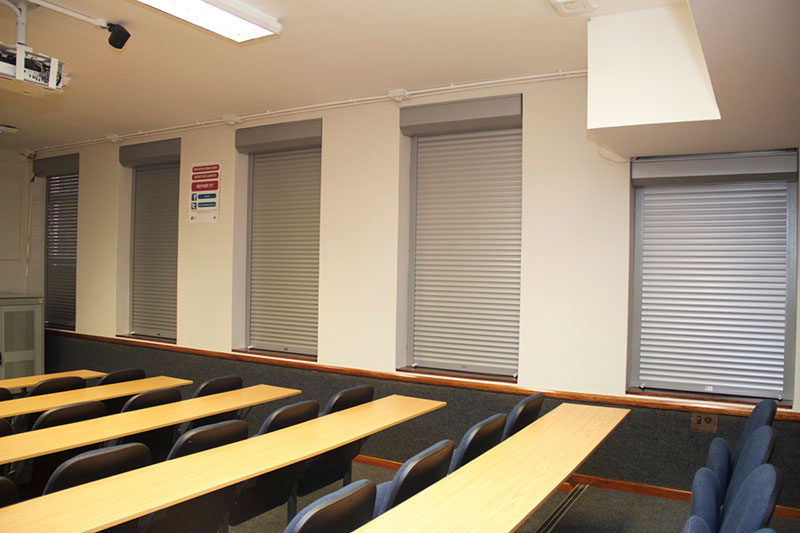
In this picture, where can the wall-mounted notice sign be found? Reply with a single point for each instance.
(204, 206)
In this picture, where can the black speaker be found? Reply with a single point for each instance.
(119, 35)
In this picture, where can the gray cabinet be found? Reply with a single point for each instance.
(21, 335)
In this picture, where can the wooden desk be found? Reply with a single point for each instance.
(113, 500)
(35, 404)
(498, 490)
(55, 439)
(29, 381)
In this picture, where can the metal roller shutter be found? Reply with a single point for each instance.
(467, 245)
(284, 251)
(154, 259)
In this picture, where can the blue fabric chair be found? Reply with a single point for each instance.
(215, 386)
(719, 461)
(97, 464)
(525, 412)
(416, 474)
(720, 458)
(47, 386)
(114, 405)
(755, 452)
(8, 492)
(706, 501)
(5, 427)
(752, 507)
(271, 490)
(42, 467)
(159, 440)
(478, 439)
(695, 524)
(206, 513)
(336, 464)
(342, 511)
(762, 415)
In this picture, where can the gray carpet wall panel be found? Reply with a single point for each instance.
(651, 446)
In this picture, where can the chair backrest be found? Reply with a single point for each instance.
(8, 492)
(762, 415)
(695, 524)
(97, 464)
(755, 452)
(416, 474)
(525, 412)
(478, 439)
(217, 385)
(158, 440)
(207, 437)
(115, 405)
(348, 398)
(49, 386)
(341, 511)
(290, 415)
(5, 427)
(706, 500)
(118, 376)
(42, 467)
(66, 414)
(152, 398)
(719, 461)
(5, 394)
(275, 488)
(753, 504)
(205, 513)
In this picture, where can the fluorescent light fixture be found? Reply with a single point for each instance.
(235, 19)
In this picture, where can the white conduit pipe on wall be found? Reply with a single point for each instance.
(453, 87)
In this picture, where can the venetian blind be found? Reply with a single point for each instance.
(61, 248)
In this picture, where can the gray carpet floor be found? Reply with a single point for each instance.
(596, 510)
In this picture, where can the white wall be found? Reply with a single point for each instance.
(574, 250)
(96, 271)
(359, 237)
(575, 242)
(647, 67)
(15, 173)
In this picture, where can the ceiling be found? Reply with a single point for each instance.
(171, 73)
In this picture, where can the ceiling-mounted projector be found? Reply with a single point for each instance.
(26, 72)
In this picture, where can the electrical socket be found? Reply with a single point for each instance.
(705, 422)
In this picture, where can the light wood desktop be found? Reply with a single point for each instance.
(35, 404)
(55, 439)
(498, 490)
(120, 498)
(29, 381)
